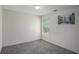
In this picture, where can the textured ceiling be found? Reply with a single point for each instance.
(45, 9)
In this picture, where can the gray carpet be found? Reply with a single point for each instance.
(35, 47)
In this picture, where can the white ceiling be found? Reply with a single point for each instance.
(45, 9)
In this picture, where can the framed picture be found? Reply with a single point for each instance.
(67, 19)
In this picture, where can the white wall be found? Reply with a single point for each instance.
(0, 28)
(19, 27)
(64, 35)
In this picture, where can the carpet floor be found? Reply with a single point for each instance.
(35, 47)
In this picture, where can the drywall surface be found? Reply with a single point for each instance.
(0, 28)
(19, 27)
(64, 35)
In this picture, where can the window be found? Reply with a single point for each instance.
(45, 26)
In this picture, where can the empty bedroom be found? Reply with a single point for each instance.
(39, 29)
